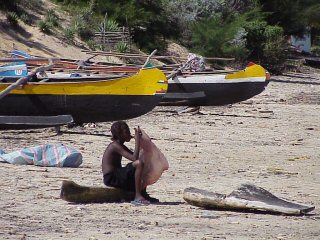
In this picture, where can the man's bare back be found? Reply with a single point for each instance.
(112, 158)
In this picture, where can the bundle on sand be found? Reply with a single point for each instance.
(72, 192)
(246, 197)
(45, 155)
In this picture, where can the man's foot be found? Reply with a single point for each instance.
(140, 202)
(149, 198)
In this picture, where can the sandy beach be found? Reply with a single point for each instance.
(271, 140)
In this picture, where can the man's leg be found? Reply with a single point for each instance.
(138, 165)
(148, 197)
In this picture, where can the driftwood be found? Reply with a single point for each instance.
(246, 197)
(72, 192)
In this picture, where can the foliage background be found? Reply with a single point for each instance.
(249, 30)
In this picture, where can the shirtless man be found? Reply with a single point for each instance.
(129, 176)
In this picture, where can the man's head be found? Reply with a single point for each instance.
(120, 131)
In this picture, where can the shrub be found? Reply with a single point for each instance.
(122, 47)
(44, 26)
(82, 24)
(77, 23)
(274, 47)
(255, 39)
(92, 44)
(266, 45)
(85, 33)
(316, 50)
(217, 37)
(101, 47)
(237, 46)
(108, 25)
(25, 18)
(11, 5)
(12, 18)
(69, 33)
(52, 18)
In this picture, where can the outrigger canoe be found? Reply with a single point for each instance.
(205, 89)
(186, 88)
(91, 100)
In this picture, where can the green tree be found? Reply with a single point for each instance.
(9, 5)
(214, 36)
(146, 18)
(292, 15)
(224, 34)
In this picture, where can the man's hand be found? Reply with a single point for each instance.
(137, 133)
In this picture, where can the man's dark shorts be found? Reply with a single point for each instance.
(121, 178)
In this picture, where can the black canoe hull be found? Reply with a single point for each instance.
(313, 62)
(82, 108)
(211, 94)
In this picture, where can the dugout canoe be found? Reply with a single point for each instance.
(75, 193)
(91, 100)
(215, 89)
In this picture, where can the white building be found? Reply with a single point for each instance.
(302, 44)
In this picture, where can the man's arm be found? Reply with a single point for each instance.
(137, 136)
(125, 152)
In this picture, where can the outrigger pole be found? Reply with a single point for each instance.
(28, 59)
(149, 57)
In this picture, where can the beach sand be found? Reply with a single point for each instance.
(271, 140)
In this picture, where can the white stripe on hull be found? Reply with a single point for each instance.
(214, 79)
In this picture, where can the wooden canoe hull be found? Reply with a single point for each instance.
(219, 94)
(88, 101)
(313, 62)
(82, 108)
(216, 89)
(72, 192)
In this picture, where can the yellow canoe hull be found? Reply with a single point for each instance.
(88, 101)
